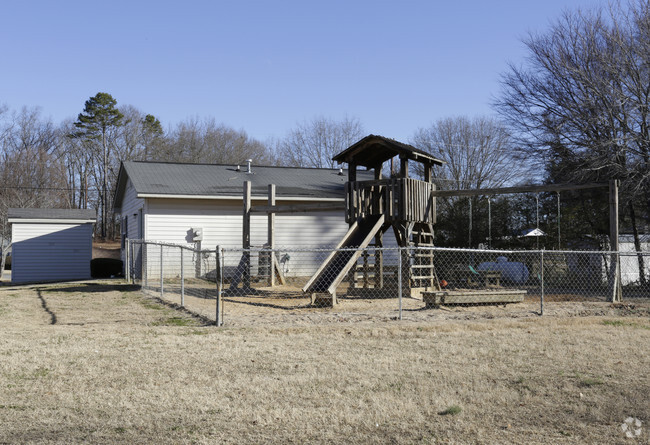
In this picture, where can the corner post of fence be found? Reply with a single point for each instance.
(182, 280)
(145, 266)
(219, 271)
(541, 282)
(127, 260)
(161, 272)
(615, 274)
(399, 281)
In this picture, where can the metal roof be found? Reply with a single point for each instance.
(374, 150)
(162, 179)
(58, 214)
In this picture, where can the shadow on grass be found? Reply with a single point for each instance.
(269, 305)
(92, 287)
(45, 307)
(201, 320)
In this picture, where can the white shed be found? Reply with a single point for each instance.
(51, 244)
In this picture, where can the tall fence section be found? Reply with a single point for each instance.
(248, 286)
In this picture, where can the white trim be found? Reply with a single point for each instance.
(51, 221)
(237, 198)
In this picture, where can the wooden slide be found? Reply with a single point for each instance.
(330, 274)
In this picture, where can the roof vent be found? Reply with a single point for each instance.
(248, 161)
(237, 169)
(340, 172)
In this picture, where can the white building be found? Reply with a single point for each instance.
(630, 259)
(50, 244)
(159, 201)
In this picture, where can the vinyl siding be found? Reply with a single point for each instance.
(130, 210)
(170, 220)
(51, 252)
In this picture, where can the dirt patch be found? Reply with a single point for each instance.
(289, 305)
(107, 249)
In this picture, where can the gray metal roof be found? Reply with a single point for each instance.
(214, 180)
(73, 214)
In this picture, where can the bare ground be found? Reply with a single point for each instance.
(104, 363)
(106, 249)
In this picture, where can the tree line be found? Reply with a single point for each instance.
(75, 164)
(576, 110)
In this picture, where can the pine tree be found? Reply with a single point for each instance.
(98, 117)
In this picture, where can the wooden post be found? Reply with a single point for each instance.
(615, 274)
(428, 172)
(219, 308)
(352, 198)
(352, 172)
(375, 192)
(246, 237)
(379, 260)
(182, 280)
(403, 167)
(197, 254)
(271, 236)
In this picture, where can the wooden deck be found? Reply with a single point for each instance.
(455, 297)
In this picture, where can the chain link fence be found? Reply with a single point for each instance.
(237, 286)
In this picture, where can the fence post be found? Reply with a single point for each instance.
(399, 281)
(182, 280)
(219, 271)
(127, 262)
(541, 279)
(161, 272)
(615, 291)
(145, 267)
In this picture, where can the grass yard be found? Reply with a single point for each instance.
(102, 363)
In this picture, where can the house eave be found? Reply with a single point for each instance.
(237, 197)
(51, 221)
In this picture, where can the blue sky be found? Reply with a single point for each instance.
(264, 66)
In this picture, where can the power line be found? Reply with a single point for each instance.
(60, 189)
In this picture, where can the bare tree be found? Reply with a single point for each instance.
(78, 158)
(314, 143)
(31, 174)
(584, 97)
(477, 152)
(580, 106)
(196, 140)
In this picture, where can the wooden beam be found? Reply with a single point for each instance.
(615, 272)
(403, 167)
(427, 172)
(271, 235)
(246, 236)
(246, 228)
(352, 172)
(296, 208)
(613, 215)
(271, 217)
(519, 189)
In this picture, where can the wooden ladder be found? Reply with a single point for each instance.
(423, 275)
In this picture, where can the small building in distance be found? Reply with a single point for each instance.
(51, 244)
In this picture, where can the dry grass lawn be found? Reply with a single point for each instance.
(102, 363)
